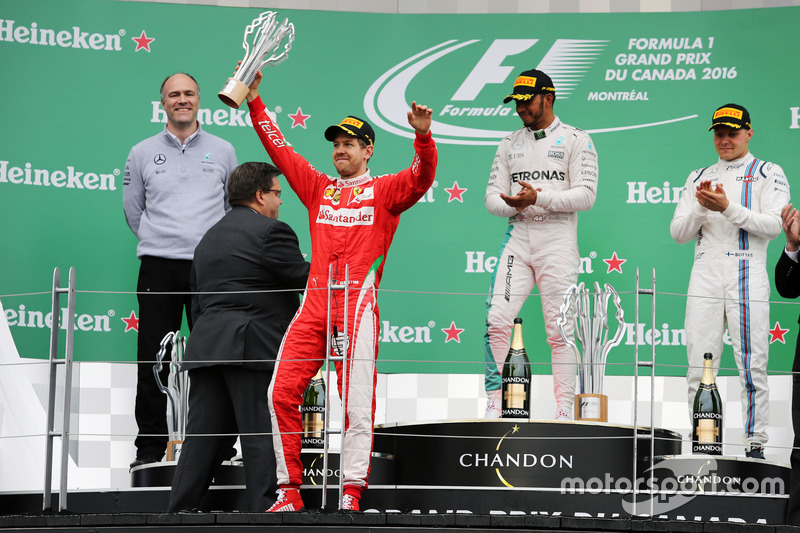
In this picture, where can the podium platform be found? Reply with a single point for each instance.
(510, 453)
(506, 468)
(229, 473)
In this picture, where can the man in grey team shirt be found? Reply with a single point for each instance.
(174, 190)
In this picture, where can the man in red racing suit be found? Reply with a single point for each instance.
(352, 220)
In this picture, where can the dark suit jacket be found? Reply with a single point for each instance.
(245, 251)
(787, 281)
(787, 277)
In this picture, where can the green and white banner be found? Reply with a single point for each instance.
(81, 87)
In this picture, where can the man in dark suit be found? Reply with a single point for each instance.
(787, 281)
(242, 269)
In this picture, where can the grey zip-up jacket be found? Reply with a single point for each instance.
(173, 193)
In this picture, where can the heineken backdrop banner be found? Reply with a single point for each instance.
(81, 86)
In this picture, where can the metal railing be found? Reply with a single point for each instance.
(640, 362)
(54, 362)
(342, 345)
(651, 363)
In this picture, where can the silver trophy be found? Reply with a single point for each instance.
(177, 389)
(588, 313)
(266, 36)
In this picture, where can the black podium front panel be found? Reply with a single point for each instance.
(508, 453)
(381, 468)
(231, 473)
(160, 474)
(533, 468)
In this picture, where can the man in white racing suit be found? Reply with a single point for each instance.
(733, 210)
(541, 176)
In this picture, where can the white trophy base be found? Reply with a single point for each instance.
(592, 407)
(233, 93)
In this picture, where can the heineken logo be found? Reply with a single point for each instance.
(32, 318)
(73, 37)
(68, 178)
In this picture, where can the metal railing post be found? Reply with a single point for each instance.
(334, 285)
(51, 394)
(51, 433)
(652, 365)
(344, 380)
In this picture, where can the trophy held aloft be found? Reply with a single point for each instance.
(584, 320)
(262, 46)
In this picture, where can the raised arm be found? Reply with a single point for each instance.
(419, 118)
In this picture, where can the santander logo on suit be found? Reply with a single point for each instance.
(331, 213)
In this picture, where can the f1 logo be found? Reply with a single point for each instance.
(489, 68)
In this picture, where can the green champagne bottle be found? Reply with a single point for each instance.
(516, 378)
(313, 413)
(707, 413)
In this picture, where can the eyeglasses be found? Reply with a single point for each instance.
(276, 191)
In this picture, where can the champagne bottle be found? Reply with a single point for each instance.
(707, 413)
(313, 412)
(516, 378)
